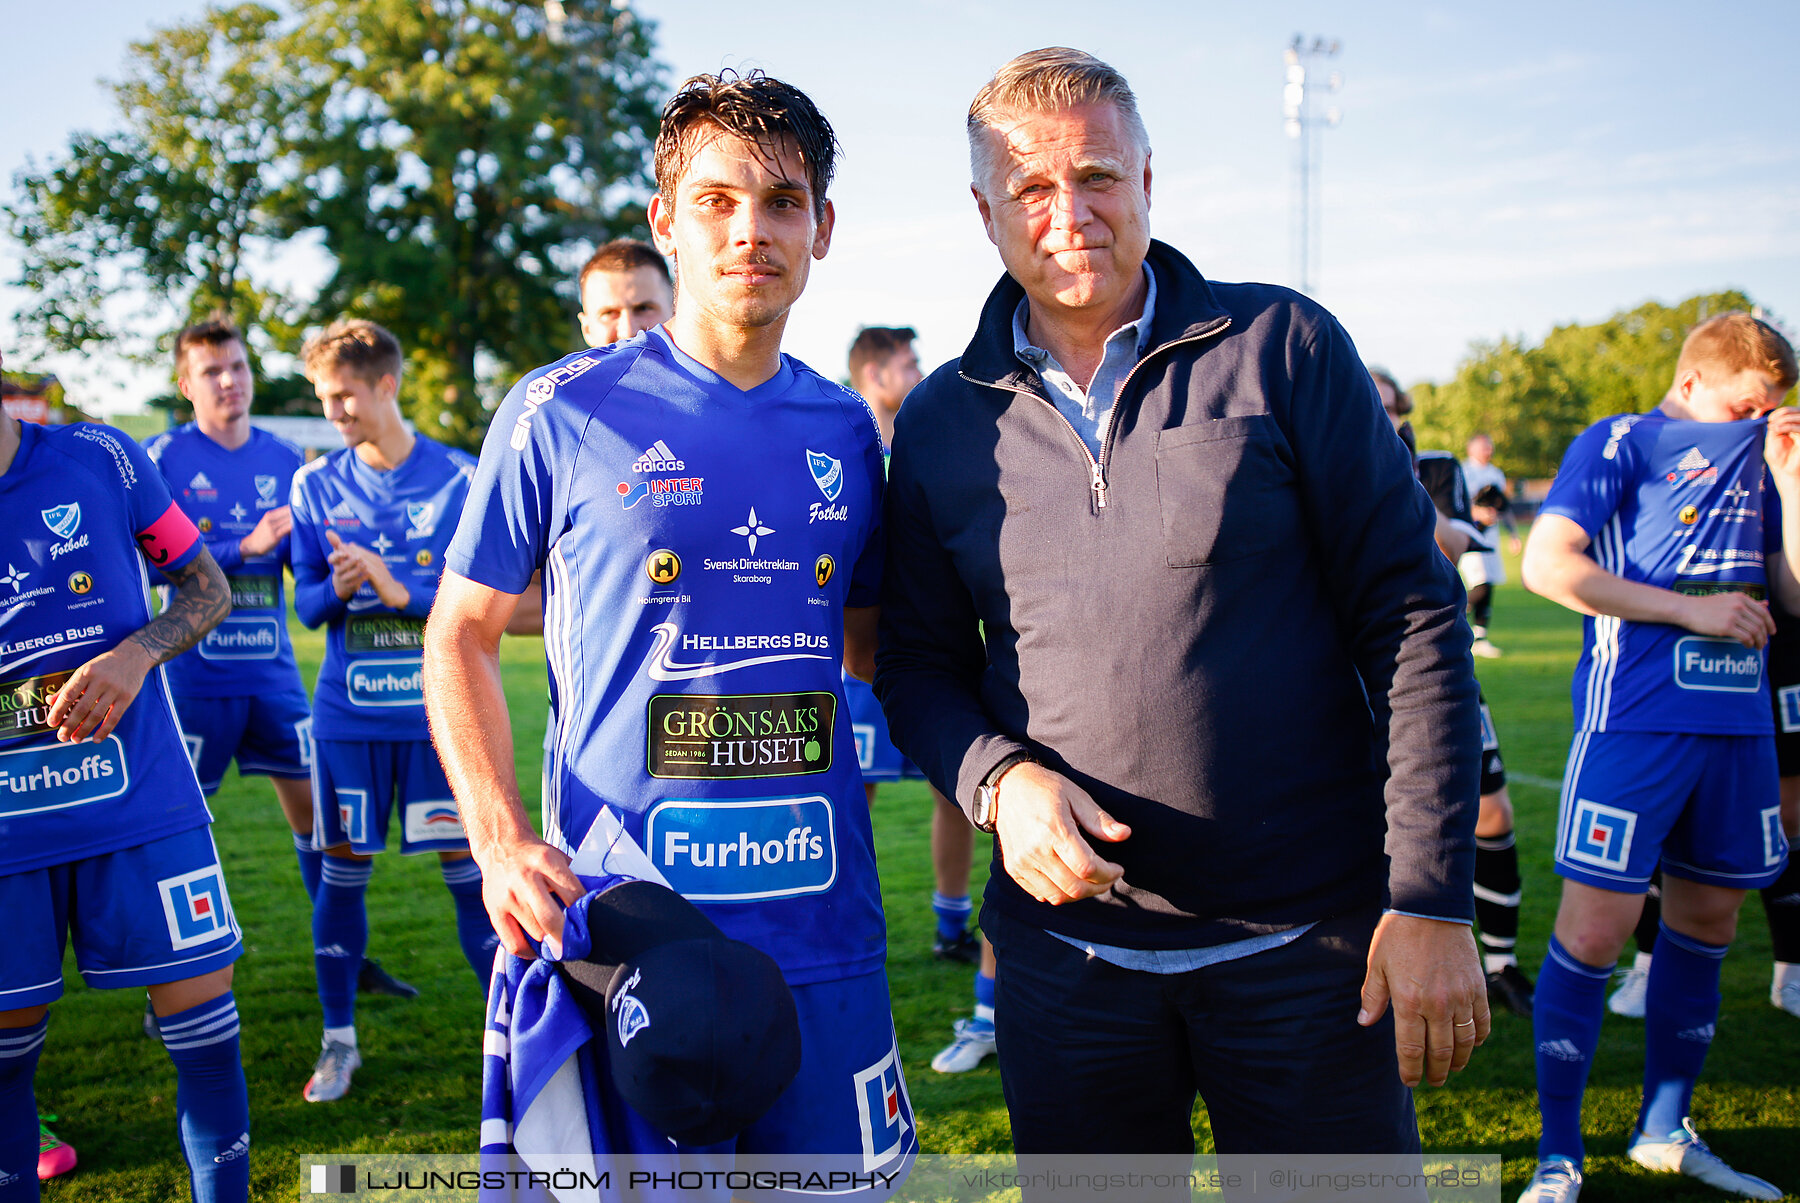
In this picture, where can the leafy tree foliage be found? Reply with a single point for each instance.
(450, 157)
(1535, 400)
(462, 148)
(168, 208)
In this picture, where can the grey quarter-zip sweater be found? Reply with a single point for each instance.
(1232, 627)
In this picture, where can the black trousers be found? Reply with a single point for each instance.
(1099, 1059)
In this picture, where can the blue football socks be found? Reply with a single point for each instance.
(1565, 1023)
(340, 935)
(984, 999)
(473, 928)
(309, 863)
(212, 1107)
(952, 914)
(1681, 1006)
(19, 1049)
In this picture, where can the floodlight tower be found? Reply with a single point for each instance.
(1302, 120)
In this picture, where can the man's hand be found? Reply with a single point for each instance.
(352, 564)
(1781, 445)
(1040, 818)
(91, 703)
(1431, 972)
(526, 885)
(1729, 616)
(269, 531)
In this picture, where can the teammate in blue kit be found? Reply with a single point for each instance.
(102, 825)
(238, 694)
(371, 523)
(1663, 529)
(706, 512)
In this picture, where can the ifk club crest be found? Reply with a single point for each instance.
(63, 520)
(827, 473)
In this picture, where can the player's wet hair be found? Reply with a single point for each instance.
(875, 344)
(1047, 81)
(755, 107)
(355, 345)
(623, 255)
(1738, 342)
(215, 331)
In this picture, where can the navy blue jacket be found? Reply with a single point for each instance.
(1234, 630)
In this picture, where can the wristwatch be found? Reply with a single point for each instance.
(987, 794)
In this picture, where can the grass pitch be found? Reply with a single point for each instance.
(419, 1088)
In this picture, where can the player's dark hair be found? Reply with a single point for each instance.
(623, 255)
(1492, 497)
(356, 345)
(215, 331)
(875, 344)
(1402, 403)
(1740, 343)
(755, 107)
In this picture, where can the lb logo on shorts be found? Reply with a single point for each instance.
(1787, 706)
(1600, 836)
(1717, 665)
(1775, 841)
(884, 1109)
(196, 907)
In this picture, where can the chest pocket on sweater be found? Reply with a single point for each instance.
(1225, 491)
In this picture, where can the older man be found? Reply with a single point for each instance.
(1161, 584)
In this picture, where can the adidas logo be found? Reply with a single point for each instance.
(1693, 461)
(332, 950)
(657, 458)
(200, 481)
(1700, 1035)
(239, 1148)
(1562, 1050)
(342, 509)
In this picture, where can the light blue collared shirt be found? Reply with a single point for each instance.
(1089, 409)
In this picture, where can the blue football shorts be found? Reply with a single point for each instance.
(1704, 807)
(356, 784)
(876, 754)
(154, 913)
(269, 735)
(847, 1109)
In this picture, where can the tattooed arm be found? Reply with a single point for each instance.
(91, 703)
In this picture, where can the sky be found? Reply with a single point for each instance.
(1498, 170)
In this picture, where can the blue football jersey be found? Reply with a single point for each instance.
(226, 493)
(85, 510)
(369, 686)
(1683, 506)
(699, 545)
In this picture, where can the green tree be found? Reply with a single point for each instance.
(171, 206)
(464, 148)
(1535, 400)
(450, 157)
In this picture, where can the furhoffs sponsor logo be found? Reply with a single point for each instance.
(387, 682)
(743, 851)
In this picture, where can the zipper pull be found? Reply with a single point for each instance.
(1099, 486)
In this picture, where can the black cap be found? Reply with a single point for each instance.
(701, 1032)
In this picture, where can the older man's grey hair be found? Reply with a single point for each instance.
(1046, 81)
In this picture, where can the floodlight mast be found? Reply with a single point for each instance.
(1302, 119)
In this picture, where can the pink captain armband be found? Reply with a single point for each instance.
(168, 538)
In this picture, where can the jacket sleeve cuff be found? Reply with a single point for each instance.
(986, 753)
